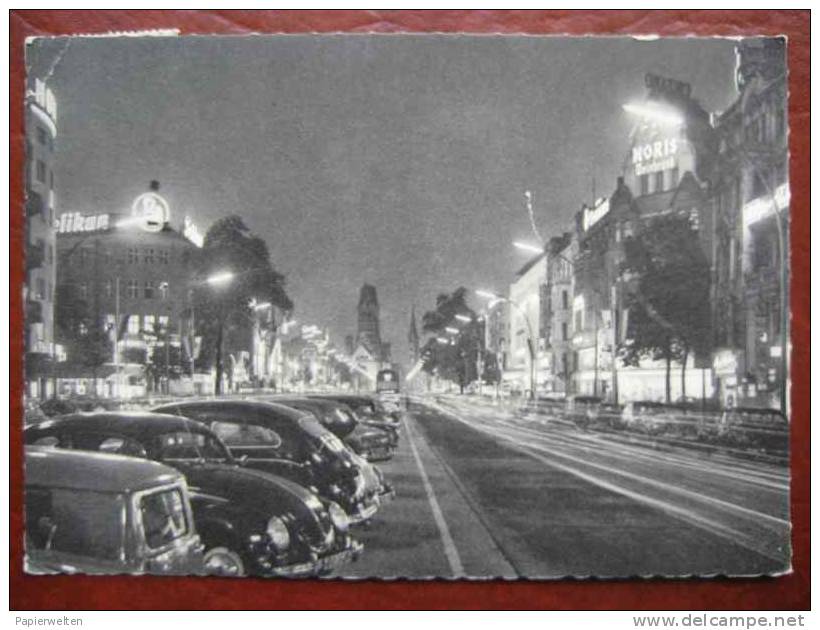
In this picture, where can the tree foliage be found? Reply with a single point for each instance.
(668, 281)
(223, 312)
(83, 335)
(455, 361)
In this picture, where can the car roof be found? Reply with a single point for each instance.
(323, 403)
(257, 405)
(129, 423)
(102, 472)
(346, 398)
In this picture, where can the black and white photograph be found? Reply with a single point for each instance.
(415, 306)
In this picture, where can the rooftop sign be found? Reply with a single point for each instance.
(152, 210)
(73, 222)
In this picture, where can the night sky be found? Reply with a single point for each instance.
(395, 160)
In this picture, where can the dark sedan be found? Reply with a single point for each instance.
(373, 442)
(288, 442)
(250, 522)
(366, 410)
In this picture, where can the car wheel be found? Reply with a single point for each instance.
(223, 562)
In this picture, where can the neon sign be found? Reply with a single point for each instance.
(72, 222)
(655, 156)
(152, 210)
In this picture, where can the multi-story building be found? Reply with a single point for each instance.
(751, 201)
(528, 361)
(132, 274)
(496, 334)
(41, 134)
(668, 169)
(557, 309)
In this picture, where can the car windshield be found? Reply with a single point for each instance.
(163, 517)
(81, 522)
(321, 435)
(187, 445)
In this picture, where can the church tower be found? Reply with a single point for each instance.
(368, 333)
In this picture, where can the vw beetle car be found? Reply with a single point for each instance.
(373, 442)
(96, 513)
(367, 411)
(288, 442)
(250, 522)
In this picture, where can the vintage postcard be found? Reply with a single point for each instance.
(413, 306)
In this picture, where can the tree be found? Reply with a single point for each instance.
(87, 342)
(223, 312)
(667, 295)
(454, 361)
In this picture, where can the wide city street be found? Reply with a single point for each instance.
(485, 491)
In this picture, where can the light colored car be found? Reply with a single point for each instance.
(104, 514)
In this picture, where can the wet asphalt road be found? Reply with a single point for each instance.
(484, 492)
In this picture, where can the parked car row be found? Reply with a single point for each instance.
(273, 491)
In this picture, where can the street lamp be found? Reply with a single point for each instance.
(654, 111)
(451, 330)
(463, 318)
(527, 247)
(497, 299)
(220, 278)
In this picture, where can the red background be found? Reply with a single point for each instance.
(85, 592)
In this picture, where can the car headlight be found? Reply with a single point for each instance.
(278, 533)
(338, 516)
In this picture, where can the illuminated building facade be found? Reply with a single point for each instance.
(133, 273)
(39, 289)
(751, 203)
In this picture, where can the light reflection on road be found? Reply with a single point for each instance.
(744, 501)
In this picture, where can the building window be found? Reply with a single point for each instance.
(694, 219)
(579, 320)
(132, 290)
(41, 171)
(565, 299)
(564, 366)
(644, 184)
(133, 324)
(148, 255)
(149, 324)
(133, 255)
(108, 288)
(149, 289)
(163, 290)
(40, 292)
(163, 256)
(49, 254)
(163, 324)
(658, 182)
(48, 291)
(84, 290)
(563, 331)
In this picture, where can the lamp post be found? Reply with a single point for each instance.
(498, 299)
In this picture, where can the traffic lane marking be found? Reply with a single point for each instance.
(450, 550)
